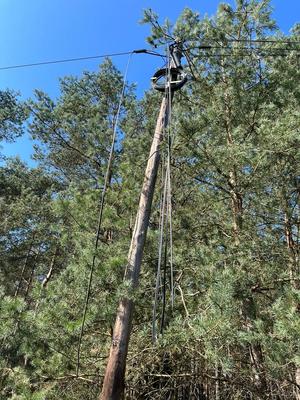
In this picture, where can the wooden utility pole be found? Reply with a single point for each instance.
(114, 380)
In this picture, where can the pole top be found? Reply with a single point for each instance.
(173, 76)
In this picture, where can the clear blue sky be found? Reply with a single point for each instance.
(39, 30)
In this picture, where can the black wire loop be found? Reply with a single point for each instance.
(178, 79)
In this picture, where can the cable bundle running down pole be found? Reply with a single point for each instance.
(101, 208)
(165, 248)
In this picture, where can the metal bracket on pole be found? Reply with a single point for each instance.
(173, 76)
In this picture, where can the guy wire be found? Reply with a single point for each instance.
(100, 215)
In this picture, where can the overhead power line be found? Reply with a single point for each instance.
(271, 41)
(264, 41)
(153, 53)
(208, 47)
(66, 60)
(212, 51)
(247, 54)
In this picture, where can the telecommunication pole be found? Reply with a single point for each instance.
(166, 80)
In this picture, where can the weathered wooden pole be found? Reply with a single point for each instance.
(114, 380)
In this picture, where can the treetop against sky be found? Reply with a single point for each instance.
(37, 31)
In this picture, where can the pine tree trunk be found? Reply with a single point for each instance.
(49, 273)
(24, 269)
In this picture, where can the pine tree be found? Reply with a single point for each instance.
(233, 332)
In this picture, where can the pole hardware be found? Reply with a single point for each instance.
(173, 76)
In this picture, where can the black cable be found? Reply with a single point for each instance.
(190, 63)
(248, 53)
(263, 55)
(163, 312)
(209, 47)
(259, 41)
(264, 41)
(145, 51)
(151, 52)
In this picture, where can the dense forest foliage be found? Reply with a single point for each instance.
(233, 331)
